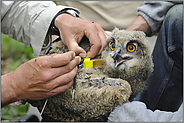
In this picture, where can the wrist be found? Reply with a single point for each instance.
(60, 17)
(140, 24)
(143, 25)
(53, 27)
(8, 90)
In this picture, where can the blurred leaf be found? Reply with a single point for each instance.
(57, 2)
(13, 54)
(12, 113)
(7, 117)
(13, 48)
(16, 52)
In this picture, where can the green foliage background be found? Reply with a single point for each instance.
(13, 54)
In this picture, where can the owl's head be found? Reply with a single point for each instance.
(127, 57)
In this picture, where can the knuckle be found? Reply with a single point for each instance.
(98, 25)
(98, 45)
(48, 88)
(50, 94)
(50, 91)
(73, 72)
(69, 67)
(66, 60)
(45, 76)
(65, 88)
(68, 78)
(44, 63)
(71, 75)
(92, 25)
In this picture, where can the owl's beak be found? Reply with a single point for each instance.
(118, 59)
(117, 50)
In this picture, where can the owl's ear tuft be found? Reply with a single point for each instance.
(115, 30)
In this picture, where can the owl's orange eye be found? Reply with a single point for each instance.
(112, 46)
(131, 48)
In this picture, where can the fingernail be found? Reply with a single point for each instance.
(79, 60)
(89, 55)
(74, 54)
(83, 55)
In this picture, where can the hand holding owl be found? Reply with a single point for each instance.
(39, 78)
(72, 30)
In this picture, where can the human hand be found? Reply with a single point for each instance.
(73, 29)
(140, 24)
(40, 78)
(108, 33)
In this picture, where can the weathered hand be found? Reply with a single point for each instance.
(40, 78)
(73, 29)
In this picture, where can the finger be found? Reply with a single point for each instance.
(54, 37)
(93, 35)
(58, 60)
(102, 38)
(60, 89)
(73, 46)
(54, 60)
(59, 71)
(64, 79)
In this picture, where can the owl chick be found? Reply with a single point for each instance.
(127, 57)
(127, 65)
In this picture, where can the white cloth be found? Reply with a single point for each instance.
(137, 112)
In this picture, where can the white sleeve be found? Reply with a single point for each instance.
(29, 21)
(137, 112)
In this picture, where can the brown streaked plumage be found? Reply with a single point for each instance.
(127, 65)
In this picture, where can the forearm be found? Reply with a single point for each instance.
(8, 91)
(140, 24)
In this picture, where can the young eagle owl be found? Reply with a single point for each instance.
(127, 65)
